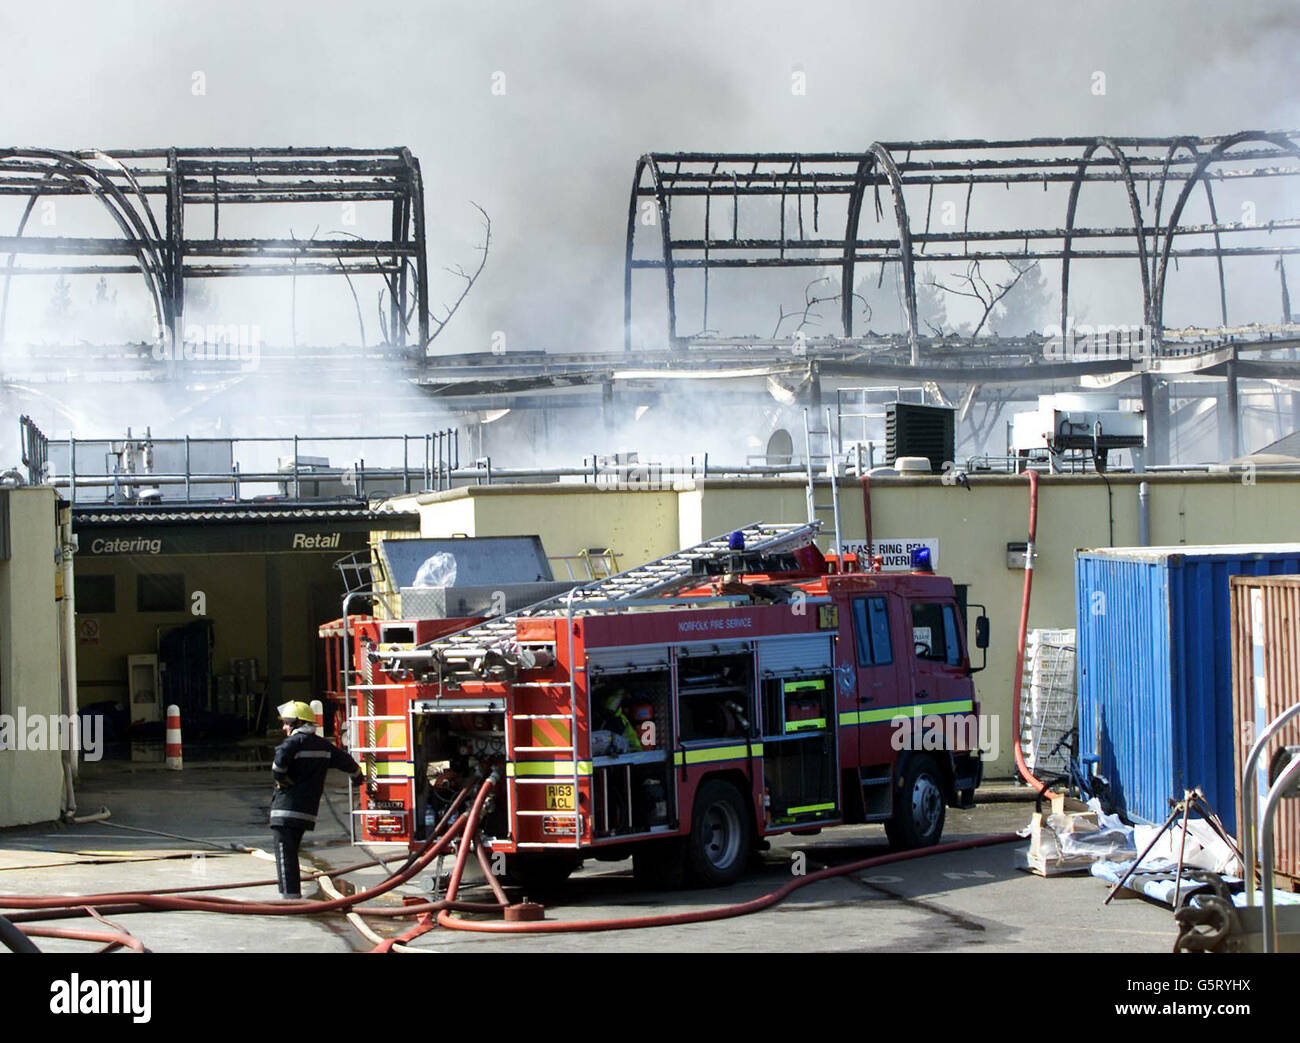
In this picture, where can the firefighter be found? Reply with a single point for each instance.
(299, 768)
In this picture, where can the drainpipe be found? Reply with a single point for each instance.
(1144, 514)
(68, 635)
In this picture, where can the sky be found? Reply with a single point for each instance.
(583, 89)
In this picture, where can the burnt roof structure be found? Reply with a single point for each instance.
(821, 198)
(134, 184)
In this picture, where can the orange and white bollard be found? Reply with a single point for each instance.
(318, 708)
(172, 748)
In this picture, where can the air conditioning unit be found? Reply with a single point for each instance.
(1091, 423)
(916, 430)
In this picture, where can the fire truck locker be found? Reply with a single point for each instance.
(800, 734)
(633, 790)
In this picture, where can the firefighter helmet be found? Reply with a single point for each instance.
(297, 711)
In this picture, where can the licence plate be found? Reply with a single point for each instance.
(559, 797)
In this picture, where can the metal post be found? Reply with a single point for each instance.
(297, 484)
(187, 468)
(1284, 787)
(1233, 417)
(1248, 786)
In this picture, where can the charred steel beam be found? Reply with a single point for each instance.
(125, 181)
(757, 185)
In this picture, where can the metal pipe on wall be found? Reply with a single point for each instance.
(68, 641)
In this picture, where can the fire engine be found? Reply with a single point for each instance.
(680, 712)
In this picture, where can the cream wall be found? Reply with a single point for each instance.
(973, 527)
(31, 782)
(638, 525)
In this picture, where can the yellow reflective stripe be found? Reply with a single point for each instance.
(807, 808)
(717, 753)
(920, 710)
(889, 713)
(552, 769)
(804, 686)
(808, 723)
(394, 769)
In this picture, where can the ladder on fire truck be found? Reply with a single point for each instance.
(823, 459)
(655, 579)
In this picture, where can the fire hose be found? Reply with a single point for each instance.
(59, 906)
(1016, 677)
(439, 912)
(724, 912)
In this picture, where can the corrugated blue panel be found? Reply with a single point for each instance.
(1155, 669)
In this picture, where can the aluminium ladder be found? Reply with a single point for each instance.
(827, 462)
(654, 578)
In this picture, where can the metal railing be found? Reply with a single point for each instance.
(148, 470)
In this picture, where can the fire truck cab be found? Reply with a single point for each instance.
(678, 713)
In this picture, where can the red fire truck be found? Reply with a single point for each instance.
(678, 712)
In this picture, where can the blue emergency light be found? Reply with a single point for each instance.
(921, 560)
(736, 541)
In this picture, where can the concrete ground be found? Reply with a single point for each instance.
(971, 901)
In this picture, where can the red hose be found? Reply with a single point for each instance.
(117, 939)
(1017, 677)
(149, 902)
(704, 915)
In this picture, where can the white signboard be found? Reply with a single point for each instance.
(897, 554)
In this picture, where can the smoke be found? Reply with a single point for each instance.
(538, 114)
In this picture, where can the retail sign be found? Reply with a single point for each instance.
(316, 541)
(896, 554)
(204, 536)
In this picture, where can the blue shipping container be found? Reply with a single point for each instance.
(1155, 669)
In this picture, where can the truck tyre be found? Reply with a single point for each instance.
(539, 874)
(919, 806)
(721, 839)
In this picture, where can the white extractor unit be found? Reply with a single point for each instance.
(1086, 422)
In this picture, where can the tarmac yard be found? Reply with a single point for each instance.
(966, 901)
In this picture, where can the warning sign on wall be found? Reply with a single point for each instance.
(897, 554)
(88, 631)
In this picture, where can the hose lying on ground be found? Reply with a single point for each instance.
(137, 901)
(439, 912)
(723, 912)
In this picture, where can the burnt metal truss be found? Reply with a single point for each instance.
(133, 184)
(735, 187)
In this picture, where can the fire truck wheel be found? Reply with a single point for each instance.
(919, 806)
(720, 840)
(539, 873)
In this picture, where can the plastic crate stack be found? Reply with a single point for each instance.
(1048, 719)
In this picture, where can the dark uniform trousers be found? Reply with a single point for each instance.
(301, 763)
(287, 839)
